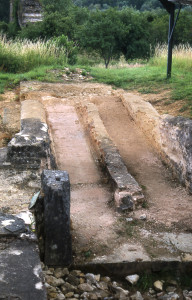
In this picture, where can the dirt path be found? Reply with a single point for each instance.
(92, 219)
(160, 189)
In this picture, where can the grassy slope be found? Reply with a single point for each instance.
(145, 79)
(150, 79)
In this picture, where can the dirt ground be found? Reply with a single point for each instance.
(9, 116)
(168, 205)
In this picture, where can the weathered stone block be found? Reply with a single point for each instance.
(21, 275)
(176, 138)
(11, 225)
(30, 148)
(56, 189)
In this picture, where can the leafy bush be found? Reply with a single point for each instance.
(62, 42)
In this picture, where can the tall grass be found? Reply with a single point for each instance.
(182, 56)
(18, 55)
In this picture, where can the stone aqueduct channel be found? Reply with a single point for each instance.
(93, 133)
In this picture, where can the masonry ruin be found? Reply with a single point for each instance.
(29, 11)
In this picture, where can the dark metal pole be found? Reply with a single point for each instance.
(170, 39)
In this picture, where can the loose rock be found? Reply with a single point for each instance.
(158, 285)
(133, 279)
(86, 287)
(137, 296)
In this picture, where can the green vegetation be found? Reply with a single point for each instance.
(149, 79)
(119, 30)
(10, 80)
(104, 4)
(18, 56)
(146, 77)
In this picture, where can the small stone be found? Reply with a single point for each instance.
(48, 272)
(143, 217)
(65, 271)
(169, 296)
(67, 287)
(137, 296)
(158, 285)
(69, 295)
(114, 284)
(60, 297)
(133, 279)
(82, 280)
(105, 279)
(186, 257)
(187, 295)
(121, 293)
(58, 273)
(98, 277)
(86, 287)
(129, 219)
(84, 296)
(64, 290)
(76, 272)
(53, 295)
(90, 277)
(160, 294)
(50, 288)
(151, 291)
(170, 289)
(51, 270)
(93, 297)
(73, 279)
(103, 285)
(76, 296)
(54, 281)
(102, 294)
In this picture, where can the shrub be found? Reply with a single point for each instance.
(62, 42)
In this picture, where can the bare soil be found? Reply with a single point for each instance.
(9, 116)
(98, 229)
(144, 165)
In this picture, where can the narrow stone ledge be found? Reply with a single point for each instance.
(127, 192)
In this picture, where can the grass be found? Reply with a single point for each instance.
(9, 80)
(145, 77)
(18, 55)
(151, 77)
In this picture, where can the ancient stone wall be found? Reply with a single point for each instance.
(170, 136)
(29, 11)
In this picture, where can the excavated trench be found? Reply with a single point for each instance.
(158, 230)
(128, 214)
